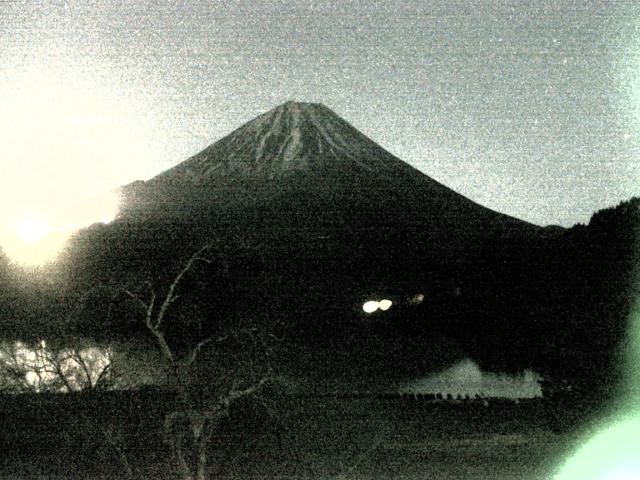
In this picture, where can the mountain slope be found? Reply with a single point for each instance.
(302, 156)
(312, 199)
(314, 218)
(291, 137)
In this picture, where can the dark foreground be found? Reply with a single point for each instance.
(75, 436)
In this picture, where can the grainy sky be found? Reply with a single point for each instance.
(531, 108)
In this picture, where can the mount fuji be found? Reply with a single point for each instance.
(315, 219)
(302, 159)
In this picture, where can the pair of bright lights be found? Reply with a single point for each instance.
(373, 305)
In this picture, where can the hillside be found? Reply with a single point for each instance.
(312, 219)
(303, 157)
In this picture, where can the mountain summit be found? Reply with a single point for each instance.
(302, 161)
(291, 137)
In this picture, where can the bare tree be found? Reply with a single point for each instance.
(189, 427)
(77, 366)
(14, 373)
(68, 365)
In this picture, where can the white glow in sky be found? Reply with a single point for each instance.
(68, 138)
(37, 236)
(32, 229)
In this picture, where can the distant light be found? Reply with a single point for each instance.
(385, 304)
(371, 306)
(417, 299)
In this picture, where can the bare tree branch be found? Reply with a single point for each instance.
(170, 297)
(80, 361)
(235, 395)
(147, 306)
(196, 350)
(153, 326)
(116, 441)
(189, 428)
(102, 375)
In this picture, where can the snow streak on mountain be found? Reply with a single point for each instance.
(291, 137)
(302, 161)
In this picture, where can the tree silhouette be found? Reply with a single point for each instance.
(200, 406)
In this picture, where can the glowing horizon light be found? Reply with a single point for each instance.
(31, 240)
(32, 229)
(70, 134)
(385, 304)
(371, 306)
(33, 253)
